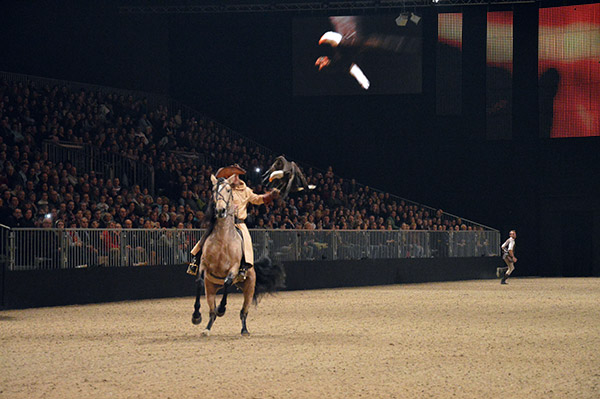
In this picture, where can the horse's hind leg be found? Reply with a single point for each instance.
(212, 316)
(248, 289)
(243, 316)
(197, 317)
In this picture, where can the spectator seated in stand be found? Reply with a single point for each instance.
(34, 188)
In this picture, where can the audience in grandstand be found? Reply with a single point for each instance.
(35, 190)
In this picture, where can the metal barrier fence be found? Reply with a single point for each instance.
(5, 245)
(36, 249)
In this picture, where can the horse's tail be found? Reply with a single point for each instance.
(270, 277)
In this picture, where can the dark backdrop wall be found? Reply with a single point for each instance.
(237, 68)
(85, 42)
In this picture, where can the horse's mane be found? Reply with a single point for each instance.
(209, 218)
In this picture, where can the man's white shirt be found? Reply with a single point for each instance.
(509, 245)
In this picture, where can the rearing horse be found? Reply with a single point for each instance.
(221, 258)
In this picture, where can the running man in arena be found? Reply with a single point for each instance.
(242, 195)
(508, 254)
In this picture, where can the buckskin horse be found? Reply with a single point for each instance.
(221, 258)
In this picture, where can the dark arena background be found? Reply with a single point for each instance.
(431, 130)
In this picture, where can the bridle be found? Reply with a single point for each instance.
(217, 195)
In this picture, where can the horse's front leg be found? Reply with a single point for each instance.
(233, 272)
(248, 289)
(223, 305)
(196, 316)
(211, 294)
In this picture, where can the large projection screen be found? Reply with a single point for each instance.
(357, 55)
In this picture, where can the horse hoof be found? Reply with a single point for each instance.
(245, 333)
(221, 311)
(205, 333)
(196, 320)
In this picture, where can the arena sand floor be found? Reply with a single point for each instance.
(534, 338)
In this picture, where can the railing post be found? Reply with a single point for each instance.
(64, 247)
(11, 250)
(496, 243)
(266, 243)
(296, 246)
(334, 242)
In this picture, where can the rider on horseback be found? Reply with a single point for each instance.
(242, 195)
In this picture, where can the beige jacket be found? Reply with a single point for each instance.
(242, 195)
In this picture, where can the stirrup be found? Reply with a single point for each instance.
(192, 269)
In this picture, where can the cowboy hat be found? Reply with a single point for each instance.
(227, 171)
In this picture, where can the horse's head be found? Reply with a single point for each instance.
(222, 195)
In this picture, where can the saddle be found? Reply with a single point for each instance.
(221, 280)
(241, 276)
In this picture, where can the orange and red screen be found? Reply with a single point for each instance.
(569, 70)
